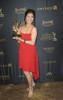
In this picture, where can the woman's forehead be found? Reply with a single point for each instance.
(30, 14)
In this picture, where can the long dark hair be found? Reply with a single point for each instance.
(30, 11)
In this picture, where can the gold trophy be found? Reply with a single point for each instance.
(17, 26)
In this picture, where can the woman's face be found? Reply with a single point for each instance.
(29, 18)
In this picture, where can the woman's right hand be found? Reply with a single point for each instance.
(14, 28)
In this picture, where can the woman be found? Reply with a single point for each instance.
(28, 58)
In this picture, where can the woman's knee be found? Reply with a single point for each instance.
(26, 72)
(31, 73)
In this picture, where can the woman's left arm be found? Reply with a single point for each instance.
(33, 37)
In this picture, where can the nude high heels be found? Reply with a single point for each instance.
(32, 86)
(30, 92)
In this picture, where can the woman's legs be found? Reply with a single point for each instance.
(29, 79)
(33, 83)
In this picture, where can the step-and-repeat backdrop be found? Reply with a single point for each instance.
(49, 23)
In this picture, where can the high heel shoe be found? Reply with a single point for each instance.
(30, 92)
(32, 86)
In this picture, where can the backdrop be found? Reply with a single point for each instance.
(49, 23)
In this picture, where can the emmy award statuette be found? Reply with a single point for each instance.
(17, 26)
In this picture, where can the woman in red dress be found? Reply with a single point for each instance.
(28, 57)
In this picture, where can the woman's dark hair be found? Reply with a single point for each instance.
(30, 11)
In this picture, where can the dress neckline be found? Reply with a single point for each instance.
(25, 33)
(29, 32)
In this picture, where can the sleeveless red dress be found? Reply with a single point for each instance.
(28, 57)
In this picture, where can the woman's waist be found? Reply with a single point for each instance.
(24, 38)
(25, 44)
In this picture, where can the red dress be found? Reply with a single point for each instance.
(28, 57)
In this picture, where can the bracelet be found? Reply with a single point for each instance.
(24, 41)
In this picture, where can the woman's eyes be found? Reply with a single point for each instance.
(30, 17)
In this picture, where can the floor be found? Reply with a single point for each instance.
(43, 91)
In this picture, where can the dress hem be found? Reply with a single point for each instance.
(32, 73)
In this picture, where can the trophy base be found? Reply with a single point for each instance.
(16, 35)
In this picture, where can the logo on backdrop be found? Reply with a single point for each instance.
(1, 53)
(48, 23)
(49, 62)
(6, 65)
(2, 40)
(54, 7)
(4, 77)
(54, 36)
(1, 14)
(20, 11)
(49, 49)
(48, 36)
(21, 76)
(49, 74)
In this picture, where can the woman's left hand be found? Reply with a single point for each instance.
(17, 38)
